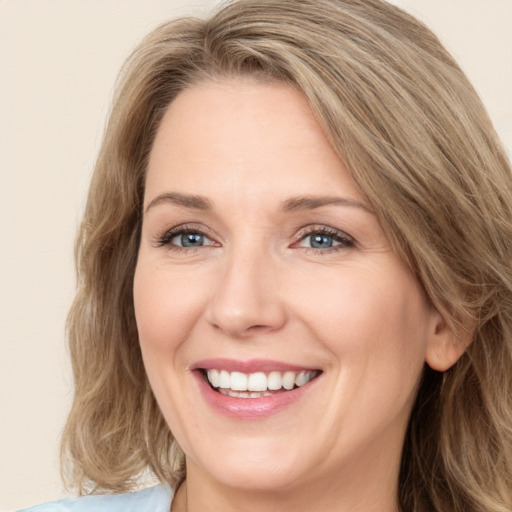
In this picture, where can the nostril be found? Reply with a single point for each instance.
(241, 308)
(241, 330)
(259, 328)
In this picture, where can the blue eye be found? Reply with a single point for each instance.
(185, 237)
(188, 240)
(321, 241)
(325, 239)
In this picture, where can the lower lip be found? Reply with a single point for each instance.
(250, 408)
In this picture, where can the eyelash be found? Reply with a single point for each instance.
(344, 240)
(165, 239)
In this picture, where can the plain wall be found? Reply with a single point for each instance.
(58, 63)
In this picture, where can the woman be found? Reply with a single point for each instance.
(295, 273)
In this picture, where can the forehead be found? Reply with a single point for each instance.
(237, 114)
(242, 131)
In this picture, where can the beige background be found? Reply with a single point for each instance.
(58, 62)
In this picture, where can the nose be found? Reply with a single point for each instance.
(247, 300)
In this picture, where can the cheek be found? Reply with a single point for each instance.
(374, 322)
(167, 307)
(359, 301)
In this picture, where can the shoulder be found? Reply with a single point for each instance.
(154, 499)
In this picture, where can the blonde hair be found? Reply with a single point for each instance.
(409, 126)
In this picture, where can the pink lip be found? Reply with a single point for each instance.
(251, 366)
(248, 408)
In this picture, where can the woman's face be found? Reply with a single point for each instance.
(262, 264)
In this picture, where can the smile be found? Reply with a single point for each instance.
(253, 389)
(257, 385)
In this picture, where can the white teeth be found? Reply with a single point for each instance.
(274, 381)
(224, 380)
(243, 394)
(257, 382)
(302, 379)
(213, 377)
(255, 385)
(238, 381)
(289, 380)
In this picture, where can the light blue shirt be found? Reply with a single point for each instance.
(154, 499)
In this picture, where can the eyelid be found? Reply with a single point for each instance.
(165, 236)
(339, 235)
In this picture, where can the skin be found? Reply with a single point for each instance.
(258, 289)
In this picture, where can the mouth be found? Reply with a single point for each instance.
(237, 384)
(253, 389)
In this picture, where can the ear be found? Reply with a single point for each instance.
(445, 346)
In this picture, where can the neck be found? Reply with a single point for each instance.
(369, 489)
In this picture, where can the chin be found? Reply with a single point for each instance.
(273, 474)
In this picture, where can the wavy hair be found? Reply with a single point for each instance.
(414, 134)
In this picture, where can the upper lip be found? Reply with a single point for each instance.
(248, 366)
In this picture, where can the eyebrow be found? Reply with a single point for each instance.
(293, 204)
(186, 200)
(301, 203)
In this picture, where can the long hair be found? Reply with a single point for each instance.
(414, 134)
